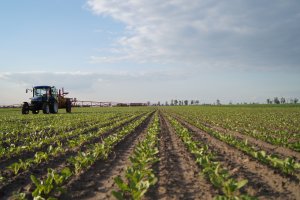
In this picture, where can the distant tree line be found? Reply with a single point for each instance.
(282, 100)
(177, 102)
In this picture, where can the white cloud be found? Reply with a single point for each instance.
(152, 85)
(107, 59)
(253, 34)
(79, 80)
(120, 86)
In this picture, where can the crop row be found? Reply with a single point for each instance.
(278, 126)
(71, 143)
(52, 123)
(211, 168)
(15, 126)
(57, 149)
(53, 183)
(286, 165)
(55, 125)
(140, 176)
(30, 146)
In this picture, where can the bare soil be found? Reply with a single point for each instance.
(22, 181)
(270, 148)
(4, 162)
(264, 182)
(177, 172)
(98, 181)
(179, 177)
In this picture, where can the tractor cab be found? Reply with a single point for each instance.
(47, 99)
(43, 93)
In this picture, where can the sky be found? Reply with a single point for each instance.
(140, 50)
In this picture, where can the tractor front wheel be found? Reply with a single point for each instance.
(68, 106)
(46, 109)
(54, 107)
(25, 108)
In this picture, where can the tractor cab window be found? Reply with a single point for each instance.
(53, 91)
(38, 92)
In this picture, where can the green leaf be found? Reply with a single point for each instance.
(38, 198)
(35, 180)
(118, 195)
(242, 183)
(51, 198)
(221, 197)
(19, 196)
(121, 184)
(36, 193)
(66, 172)
(263, 154)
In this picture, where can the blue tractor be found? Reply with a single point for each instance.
(47, 99)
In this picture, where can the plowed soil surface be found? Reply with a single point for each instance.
(22, 181)
(98, 181)
(178, 175)
(280, 151)
(264, 181)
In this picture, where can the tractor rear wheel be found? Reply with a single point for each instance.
(68, 106)
(54, 107)
(25, 108)
(46, 109)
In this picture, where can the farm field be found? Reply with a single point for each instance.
(173, 152)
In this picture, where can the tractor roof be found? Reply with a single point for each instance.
(40, 87)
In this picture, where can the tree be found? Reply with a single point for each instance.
(172, 102)
(218, 102)
(276, 100)
(166, 103)
(269, 101)
(158, 103)
(197, 102)
(186, 102)
(192, 102)
(282, 100)
(296, 100)
(175, 102)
